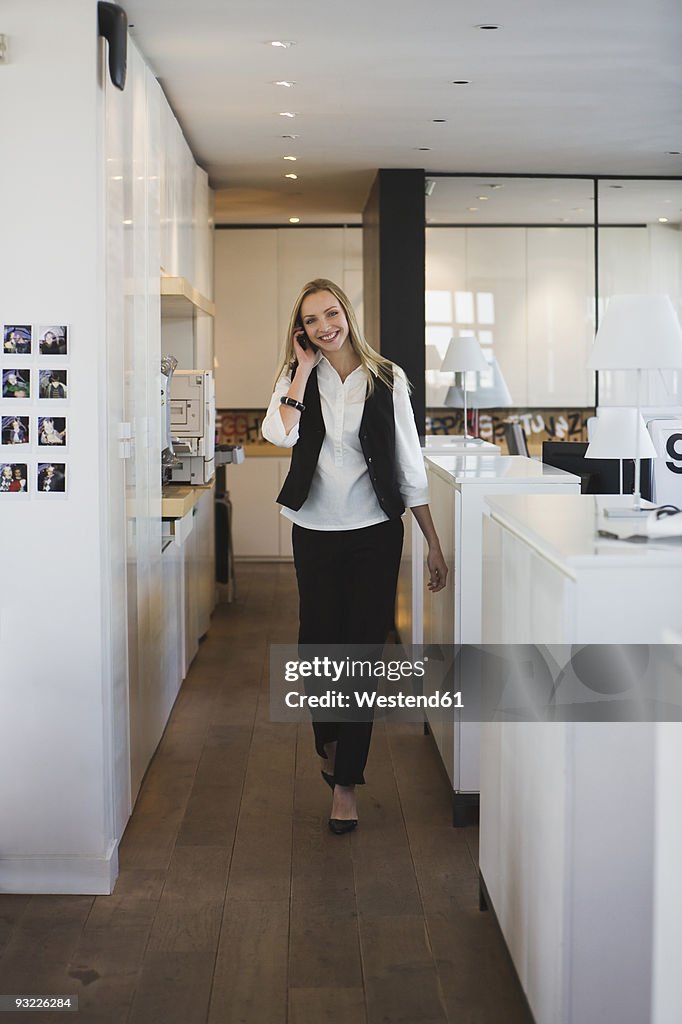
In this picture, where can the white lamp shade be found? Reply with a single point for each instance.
(614, 436)
(637, 332)
(464, 354)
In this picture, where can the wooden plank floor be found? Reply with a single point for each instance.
(235, 905)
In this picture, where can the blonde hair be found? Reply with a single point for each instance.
(374, 364)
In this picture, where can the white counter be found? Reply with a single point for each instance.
(570, 839)
(459, 487)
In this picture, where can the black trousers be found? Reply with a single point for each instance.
(346, 584)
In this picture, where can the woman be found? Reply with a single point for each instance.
(356, 464)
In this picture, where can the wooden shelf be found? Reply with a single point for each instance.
(179, 299)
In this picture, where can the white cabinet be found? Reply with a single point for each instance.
(570, 832)
(410, 593)
(459, 487)
(258, 529)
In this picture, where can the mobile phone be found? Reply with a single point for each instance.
(301, 337)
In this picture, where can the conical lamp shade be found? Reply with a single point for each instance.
(614, 436)
(637, 332)
(464, 354)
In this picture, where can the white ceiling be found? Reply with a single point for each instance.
(564, 86)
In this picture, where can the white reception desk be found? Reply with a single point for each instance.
(458, 488)
(579, 855)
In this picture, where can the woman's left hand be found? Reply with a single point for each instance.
(438, 570)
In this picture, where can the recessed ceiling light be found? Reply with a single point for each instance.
(291, 136)
(292, 176)
(579, 209)
(287, 85)
(127, 222)
(462, 81)
(615, 186)
(494, 186)
(439, 120)
(284, 44)
(674, 152)
(662, 220)
(294, 220)
(472, 209)
(488, 28)
(484, 199)
(289, 158)
(287, 113)
(423, 149)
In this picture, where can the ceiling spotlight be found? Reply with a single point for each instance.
(615, 186)
(287, 85)
(488, 28)
(287, 113)
(289, 158)
(423, 149)
(484, 199)
(283, 43)
(429, 185)
(439, 120)
(472, 209)
(674, 152)
(292, 176)
(294, 220)
(462, 81)
(493, 186)
(291, 136)
(662, 220)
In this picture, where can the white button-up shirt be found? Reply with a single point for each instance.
(341, 495)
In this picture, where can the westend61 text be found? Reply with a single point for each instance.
(364, 699)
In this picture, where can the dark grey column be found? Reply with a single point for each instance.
(393, 274)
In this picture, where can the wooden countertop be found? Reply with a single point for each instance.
(179, 499)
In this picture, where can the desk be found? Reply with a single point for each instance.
(571, 840)
(459, 486)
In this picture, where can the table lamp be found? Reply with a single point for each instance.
(620, 434)
(637, 332)
(464, 353)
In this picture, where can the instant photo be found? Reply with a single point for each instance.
(51, 431)
(53, 384)
(15, 430)
(13, 478)
(51, 478)
(17, 339)
(16, 383)
(53, 340)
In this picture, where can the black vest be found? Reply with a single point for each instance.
(377, 440)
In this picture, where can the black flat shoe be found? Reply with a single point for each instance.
(339, 826)
(328, 778)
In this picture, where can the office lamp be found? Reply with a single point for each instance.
(637, 332)
(464, 354)
(620, 434)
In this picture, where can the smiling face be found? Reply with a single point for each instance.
(324, 321)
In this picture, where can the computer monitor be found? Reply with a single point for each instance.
(597, 476)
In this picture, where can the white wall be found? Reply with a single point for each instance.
(258, 275)
(55, 684)
(81, 624)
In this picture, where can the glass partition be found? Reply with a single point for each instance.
(640, 253)
(525, 264)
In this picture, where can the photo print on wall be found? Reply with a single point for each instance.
(16, 339)
(14, 478)
(51, 478)
(51, 430)
(53, 384)
(15, 430)
(16, 383)
(53, 340)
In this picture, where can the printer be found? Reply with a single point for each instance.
(192, 420)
